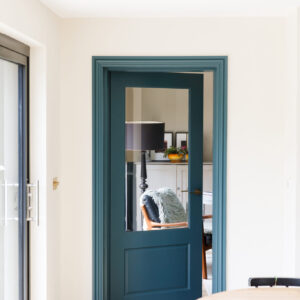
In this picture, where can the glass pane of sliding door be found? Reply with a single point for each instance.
(11, 182)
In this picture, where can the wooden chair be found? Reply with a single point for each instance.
(155, 225)
(206, 245)
(274, 281)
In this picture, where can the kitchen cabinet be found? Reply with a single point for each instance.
(174, 176)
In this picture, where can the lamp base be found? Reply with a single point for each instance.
(143, 186)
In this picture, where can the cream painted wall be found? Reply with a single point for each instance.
(290, 113)
(258, 168)
(295, 36)
(33, 24)
(208, 116)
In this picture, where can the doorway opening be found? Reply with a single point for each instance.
(137, 111)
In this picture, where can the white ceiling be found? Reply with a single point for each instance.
(169, 8)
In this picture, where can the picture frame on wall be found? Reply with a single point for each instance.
(181, 139)
(168, 142)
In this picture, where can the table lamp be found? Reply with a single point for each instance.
(143, 136)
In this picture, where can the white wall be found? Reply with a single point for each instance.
(33, 24)
(290, 147)
(258, 161)
(296, 72)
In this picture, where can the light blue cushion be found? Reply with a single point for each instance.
(207, 226)
(169, 206)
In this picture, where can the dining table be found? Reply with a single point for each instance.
(275, 293)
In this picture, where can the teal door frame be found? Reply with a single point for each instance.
(102, 66)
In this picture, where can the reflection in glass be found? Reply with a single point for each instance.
(156, 183)
(9, 181)
(142, 136)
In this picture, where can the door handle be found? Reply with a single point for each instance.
(195, 192)
(30, 187)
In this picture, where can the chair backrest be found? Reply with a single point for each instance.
(148, 225)
(151, 208)
(170, 208)
(274, 281)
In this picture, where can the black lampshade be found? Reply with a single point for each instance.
(145, 135)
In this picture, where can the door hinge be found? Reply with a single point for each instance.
(33, 198)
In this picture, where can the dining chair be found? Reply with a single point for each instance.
(274, 281)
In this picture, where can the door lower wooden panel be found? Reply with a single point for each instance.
(169, 264)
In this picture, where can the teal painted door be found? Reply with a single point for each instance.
(157, 264)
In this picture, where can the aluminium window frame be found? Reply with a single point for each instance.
(16, 52)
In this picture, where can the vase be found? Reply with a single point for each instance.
(175, 157)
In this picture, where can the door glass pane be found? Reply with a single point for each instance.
(9, 181)
(157, 177)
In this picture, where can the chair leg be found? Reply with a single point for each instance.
(204, 267)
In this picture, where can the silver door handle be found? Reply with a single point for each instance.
(30, 186)
(35, 186)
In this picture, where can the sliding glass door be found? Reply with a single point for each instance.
(9, 178)
(13, 175)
